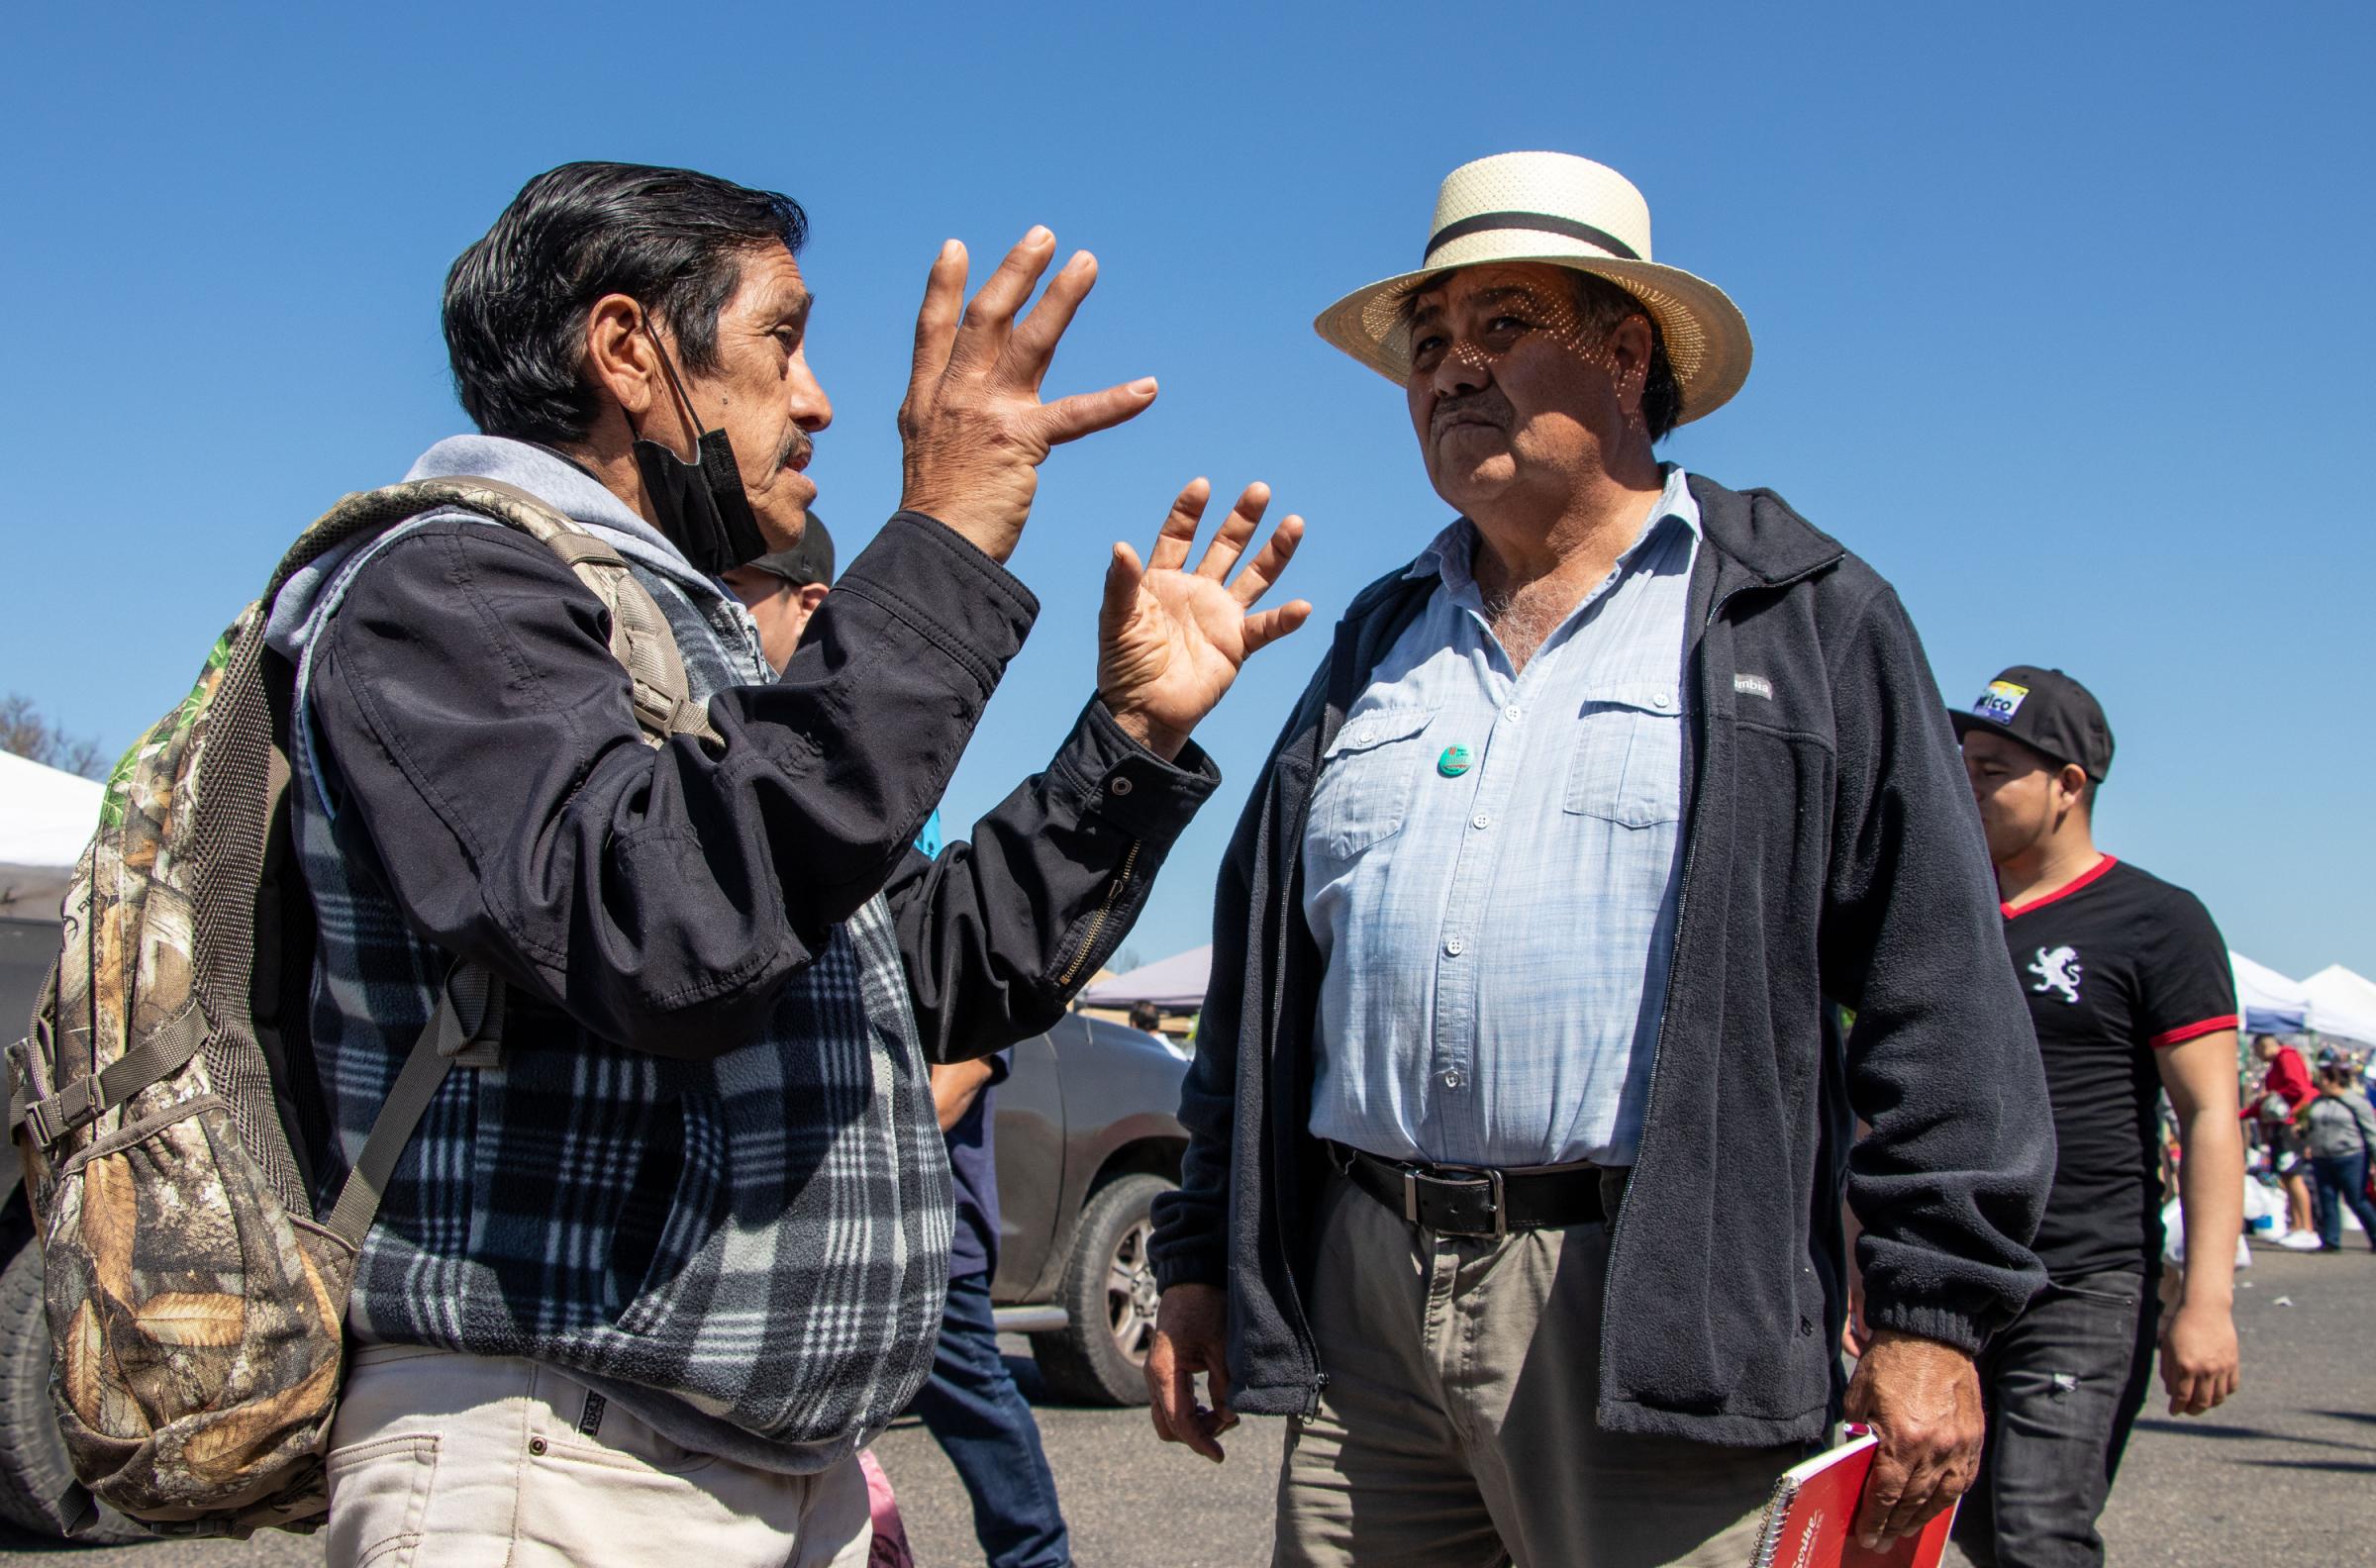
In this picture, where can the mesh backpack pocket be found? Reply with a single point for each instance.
(196, 1303)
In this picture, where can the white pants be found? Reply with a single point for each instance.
(456, 1462)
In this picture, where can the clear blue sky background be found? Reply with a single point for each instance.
(2062, 320)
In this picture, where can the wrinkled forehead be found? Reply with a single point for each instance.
(1536, 283)
(770, 285)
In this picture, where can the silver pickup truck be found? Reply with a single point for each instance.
(1086, 1138)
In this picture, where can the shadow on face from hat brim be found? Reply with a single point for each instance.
(1707, 338)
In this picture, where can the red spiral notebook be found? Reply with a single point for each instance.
(1814, 1505)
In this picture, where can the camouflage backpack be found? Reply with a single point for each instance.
(164, 1105)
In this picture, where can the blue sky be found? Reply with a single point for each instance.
(2061, 321)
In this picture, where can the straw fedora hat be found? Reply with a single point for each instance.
(1570, 212)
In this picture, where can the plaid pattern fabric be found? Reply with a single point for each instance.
(652, 1223)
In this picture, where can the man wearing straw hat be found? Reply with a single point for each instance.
(1522, 1105)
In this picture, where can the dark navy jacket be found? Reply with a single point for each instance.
(1832, 854)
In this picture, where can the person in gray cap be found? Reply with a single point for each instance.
(2130, 992)
(783, 588)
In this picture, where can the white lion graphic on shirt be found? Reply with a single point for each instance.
(2057, 969)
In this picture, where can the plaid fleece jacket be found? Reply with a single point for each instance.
(707, 1171)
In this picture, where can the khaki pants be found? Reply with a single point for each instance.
(456, 1462)
(1457, 1430)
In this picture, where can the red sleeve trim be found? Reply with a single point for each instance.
(2179, 1037)
(2089, 875)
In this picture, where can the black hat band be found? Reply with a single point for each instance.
(1543, 223)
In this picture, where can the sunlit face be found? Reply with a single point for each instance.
(1511, 393)
(2022, 793)
(761, 393)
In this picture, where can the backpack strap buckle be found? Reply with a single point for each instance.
(476, 1036)
(42, 1121)
(165, 1051)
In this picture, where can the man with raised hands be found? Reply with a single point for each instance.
(645, 1283)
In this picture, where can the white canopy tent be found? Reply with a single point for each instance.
(2269, 1003)
(47, 816)
(2342, 1005)
(1175, 984)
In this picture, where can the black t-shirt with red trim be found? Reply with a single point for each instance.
(2116, 965)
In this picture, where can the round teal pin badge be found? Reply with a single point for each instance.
(1456, 761)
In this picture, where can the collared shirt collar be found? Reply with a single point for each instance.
(1450, 553)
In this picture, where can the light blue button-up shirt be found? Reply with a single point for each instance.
(1490, 870)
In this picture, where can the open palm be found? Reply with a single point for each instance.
(1169, 638)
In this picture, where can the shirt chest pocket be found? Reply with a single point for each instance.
(1366, 779)
(1628, 764)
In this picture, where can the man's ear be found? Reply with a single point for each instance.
(1629, 360)
(2070, 785)
(619, 361)
(810, 595)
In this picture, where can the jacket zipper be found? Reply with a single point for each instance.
(1286, 915)
(1097, 922)
(1306, 1340)
(1691, 856)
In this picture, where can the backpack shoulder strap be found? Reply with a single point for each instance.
(467, 1029)
(639, 636)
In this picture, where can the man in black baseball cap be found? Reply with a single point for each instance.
(2047, 712)
(781, 590)
(2131, 993)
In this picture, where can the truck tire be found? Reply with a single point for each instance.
(1109, 1299)
(34, 1470)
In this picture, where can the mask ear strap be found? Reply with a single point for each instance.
(683, 403)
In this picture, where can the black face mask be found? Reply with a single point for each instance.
(701, 505)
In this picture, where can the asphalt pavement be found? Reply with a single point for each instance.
(2280, 1475)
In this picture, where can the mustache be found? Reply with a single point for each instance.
(797, 451)
(1487, 407)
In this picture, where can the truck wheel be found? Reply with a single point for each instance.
(1109, 1299)
(33, 1469)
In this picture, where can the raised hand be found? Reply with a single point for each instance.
(972, 429)
(1170, 641)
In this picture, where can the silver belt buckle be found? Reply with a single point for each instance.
(1492, 1178)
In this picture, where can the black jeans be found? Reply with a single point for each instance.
(985, 1427)
(2341, 1178)
(2062, 1384)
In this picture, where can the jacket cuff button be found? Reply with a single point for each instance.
(1120, 784)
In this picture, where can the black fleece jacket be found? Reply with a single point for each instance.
(661, 898)
(1832, 854)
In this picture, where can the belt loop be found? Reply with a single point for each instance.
(1410, 1194)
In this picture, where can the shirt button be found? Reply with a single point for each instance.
(1480, 820)
(1120, 784)
(1454, 1077)
(1455, 945)
(1357, 737)
(1511, 713)
(1661, 701)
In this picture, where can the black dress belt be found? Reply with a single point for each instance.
(1466, 1201)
